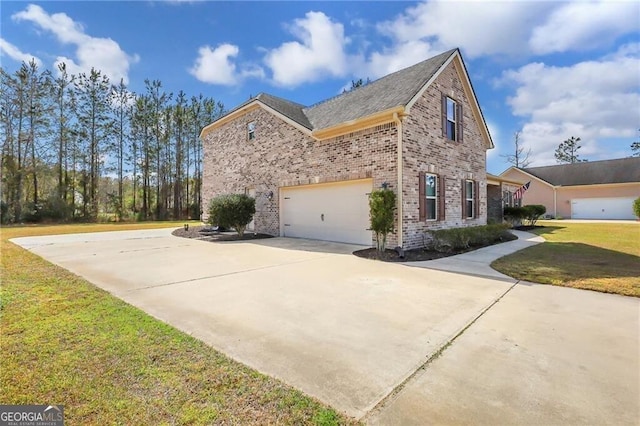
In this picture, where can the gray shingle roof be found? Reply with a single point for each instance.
(287, 108)
(589, 173)
(393, 90)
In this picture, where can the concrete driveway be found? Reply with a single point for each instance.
(362, 335)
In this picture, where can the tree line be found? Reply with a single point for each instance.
(79, 147)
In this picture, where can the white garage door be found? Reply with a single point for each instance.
(331, 212)
(602, 208)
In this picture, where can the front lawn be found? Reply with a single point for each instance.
(595, 256)
(65, 341)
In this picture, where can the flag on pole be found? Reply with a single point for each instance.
(520, 191)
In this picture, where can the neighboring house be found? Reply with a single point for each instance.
(311, 169)
(588, 190)
(500, 192)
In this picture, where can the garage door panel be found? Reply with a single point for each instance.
(602, 208)
(331, 212)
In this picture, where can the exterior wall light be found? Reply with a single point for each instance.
(270, 195)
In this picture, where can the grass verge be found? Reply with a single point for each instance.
(65, 341)
(594, 256)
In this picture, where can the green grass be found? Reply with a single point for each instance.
(65, 341)
(595, 256)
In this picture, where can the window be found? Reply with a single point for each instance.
(507, 199)
(431, 183)
(451, 119)
(470, 198)
(251, 130)
(431, 193)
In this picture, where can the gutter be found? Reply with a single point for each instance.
(400, 163)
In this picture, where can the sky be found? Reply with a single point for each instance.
(550, 70)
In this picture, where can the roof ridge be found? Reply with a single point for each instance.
(383, 78)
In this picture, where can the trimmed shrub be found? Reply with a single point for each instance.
(461, 239)
(533, 212)
(636, 207)
(232, 211)
(382, 203)
(514, 215)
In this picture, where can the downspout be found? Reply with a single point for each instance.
(400, 183)
(555, 203)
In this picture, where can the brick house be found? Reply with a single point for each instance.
(311, 169)
(586, 190)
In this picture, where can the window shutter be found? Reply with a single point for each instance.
(441, 198)
(444, 115)
(476, 199)
(464, 198)
(459, 121)
(422, 197)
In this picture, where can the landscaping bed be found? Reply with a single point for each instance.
(206, 233)
(421, 254)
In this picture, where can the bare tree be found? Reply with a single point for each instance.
(520, 157)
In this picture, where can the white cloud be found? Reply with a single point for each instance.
(16, 54)
(319, 53)
(477, 27)
(594, 100)
(584, 26)
(103, 54)
(400, 56)
(216, 66)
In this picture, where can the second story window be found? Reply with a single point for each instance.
(451, 119)
(251, 130)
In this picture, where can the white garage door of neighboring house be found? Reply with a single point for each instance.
(602, 208)
(331, 212)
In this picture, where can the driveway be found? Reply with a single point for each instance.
(362, 335)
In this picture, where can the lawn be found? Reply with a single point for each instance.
(65, 341)
(595, 256)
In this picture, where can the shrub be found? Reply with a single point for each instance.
(232, 211)
(460, 239)
(514, 215)
(636, 207)
(382, 203)
(533, 212)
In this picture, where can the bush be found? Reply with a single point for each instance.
(514, 215)
(636, 207)
(232, 211)
(382, 203)
(533, 212)
(460, 239)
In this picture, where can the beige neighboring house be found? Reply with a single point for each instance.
(589, 190)
(418, 131)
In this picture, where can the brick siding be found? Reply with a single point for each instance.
(282, 155)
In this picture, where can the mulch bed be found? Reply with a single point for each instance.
(205, 233)
(416, 255)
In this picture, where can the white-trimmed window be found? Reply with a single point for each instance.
(431, 192)
(470, 199)
(251, 130)
(452, 127)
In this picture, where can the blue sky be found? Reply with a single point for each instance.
(548, 69)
